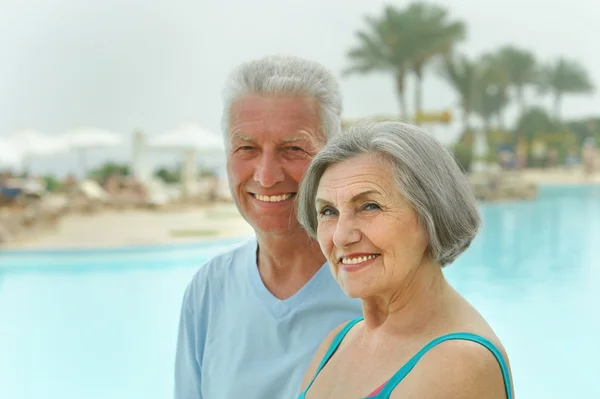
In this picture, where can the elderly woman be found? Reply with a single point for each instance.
(390, 208)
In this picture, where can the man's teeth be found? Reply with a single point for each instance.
(272, 198)
(360, 259)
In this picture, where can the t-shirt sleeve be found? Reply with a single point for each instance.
(190, 343)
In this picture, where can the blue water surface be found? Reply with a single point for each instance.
(103, 323)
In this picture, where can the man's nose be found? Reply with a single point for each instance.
(269, 171)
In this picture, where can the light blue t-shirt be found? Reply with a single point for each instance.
(236, 340)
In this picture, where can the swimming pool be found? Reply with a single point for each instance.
(103, 324)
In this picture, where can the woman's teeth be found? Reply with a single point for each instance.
(360, 259)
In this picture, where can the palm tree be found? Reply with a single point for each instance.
(564, 77)
(490, 100)
(462, 74)
(493, 87)
(402, 41)
(381, 48)
(521, 69)
(535, 120)
(430, 34)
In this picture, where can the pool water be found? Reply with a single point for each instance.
(103, 324)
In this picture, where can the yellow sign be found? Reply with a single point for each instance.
(500, 136)
(431, 117)
(568, 138)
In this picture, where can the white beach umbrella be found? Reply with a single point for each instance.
(188, 137)
(9, 155)
(31, 143)
(82, 139)
(192, 140)
(92, 137)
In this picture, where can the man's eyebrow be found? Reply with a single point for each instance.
(293, 139)
(238, 136)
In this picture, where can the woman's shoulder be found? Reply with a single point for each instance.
(471, 322)
(467, 363)
(337, 334)
(323, 349)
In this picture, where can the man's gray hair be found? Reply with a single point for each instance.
(279, 75)
(426, 174)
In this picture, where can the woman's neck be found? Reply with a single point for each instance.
(412, 307)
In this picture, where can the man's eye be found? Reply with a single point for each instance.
(294, 148)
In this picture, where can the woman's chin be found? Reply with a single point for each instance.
(356, 291)
(358, 285)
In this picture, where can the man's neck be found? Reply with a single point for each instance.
(287, 262)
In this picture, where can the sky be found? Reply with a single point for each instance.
(154, 65)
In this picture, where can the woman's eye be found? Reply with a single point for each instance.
(326, 212)
(371, 206)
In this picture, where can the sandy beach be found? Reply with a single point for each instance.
(562, 176)
(112, 228)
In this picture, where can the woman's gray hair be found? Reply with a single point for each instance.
(426, 173)
(279, 75)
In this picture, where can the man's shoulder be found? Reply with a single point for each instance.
(231, 254)
(220, 265)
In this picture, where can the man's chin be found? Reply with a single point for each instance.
(275, 228)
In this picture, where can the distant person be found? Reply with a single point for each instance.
(252, 318)
(390, 208)
(588, 156)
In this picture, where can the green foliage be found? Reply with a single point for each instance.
(536, 120)
(585, 128)
(169, 176)
(463, 152)
(462, 74)
(207, 172)
(107, 170)
(520, 66)
(403, 40)
(489, 99)
(564, 77)
(52, 184)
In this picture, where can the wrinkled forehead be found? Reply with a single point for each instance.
(275, 118)
(364, 173)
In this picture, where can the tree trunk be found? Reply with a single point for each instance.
(418, 92)
(487, 123)
(466, 116)
(521, 100)
(479, 151)
(557, 103)
(400, 92)
(500, 120)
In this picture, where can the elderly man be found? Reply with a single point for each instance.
(252, 318)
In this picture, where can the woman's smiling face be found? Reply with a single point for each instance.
(370, 234)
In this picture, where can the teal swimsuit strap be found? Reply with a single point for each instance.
(332, 348)
(400, 374)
